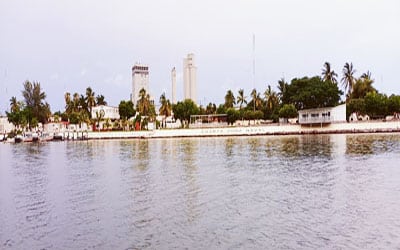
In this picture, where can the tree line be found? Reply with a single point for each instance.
(317, 91)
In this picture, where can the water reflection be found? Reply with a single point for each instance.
(290, 192)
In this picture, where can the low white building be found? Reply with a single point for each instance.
(109, 112)
(323, 115)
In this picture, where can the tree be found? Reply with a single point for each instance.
(348, 78)
(14, 105)
(288, 111)
(100, 100)
(183, 110)
(241, 98)
(229, 99)
(35, 102)
(376, 105)
(99, 117)
(69, 104)
(328, 74)
(256, 100)
(361, 87)
(271, 98)
(126, 109)
(165, 108)
(144, 106)
(232, 115)
(394, 104)
(282, 86)
(90, 100)
(211, 108)
(307, 93)
(355, 106)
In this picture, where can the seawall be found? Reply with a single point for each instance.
(275, 129)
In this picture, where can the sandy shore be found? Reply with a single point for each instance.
(274, 129)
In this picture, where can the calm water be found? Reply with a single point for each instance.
(288, 192)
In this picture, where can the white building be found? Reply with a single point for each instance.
(108, 112)
(140, 80)
(173, 79)
(190, 78)
(323, 115)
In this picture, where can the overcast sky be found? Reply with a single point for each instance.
(70, 45)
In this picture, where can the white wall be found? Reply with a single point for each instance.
(338, 113)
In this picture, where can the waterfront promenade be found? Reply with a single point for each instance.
(273, 129)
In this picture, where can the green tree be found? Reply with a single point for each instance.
(328, 74)
(361, 87)
(165, 108)
(241, 98)
(126, 109)
(271, 98)
(394, 104)
(307, 93)
(348, 78)
(282, 87)
(229, 99)
(232, 115)
(211, 108)
(145, 107)
(355, 106)
(183, 110)
(376, 105)
(256, 101)
(90, 100)
(288, 111)
(100, 100)
(35, 102)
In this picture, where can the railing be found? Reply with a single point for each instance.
(310, 120)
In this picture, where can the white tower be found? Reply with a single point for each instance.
(140, 80)
(189, 78)
(173, 78)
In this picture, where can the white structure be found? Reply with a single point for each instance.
(173, 79)
(5, 125)
(140, 80)
(323, 115)
(190, 78)
(108, 112)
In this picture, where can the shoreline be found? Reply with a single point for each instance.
(258, 130)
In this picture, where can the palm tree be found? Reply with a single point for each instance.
(100, 100)
(143, 102)
(76, 101)
(241, 98)
(257, 102)
(348, 78)
(282, 87)
(229, 99)
(165, 108)
(271, 98)
(14, 105)
(68, 103)
(362, 86)
(328, 74)
(366, 76)
(90, 99)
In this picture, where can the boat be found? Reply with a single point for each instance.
(35, 137)
(46, 137)
(58, 136)
(18, 138)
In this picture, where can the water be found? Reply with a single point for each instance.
(286, 192)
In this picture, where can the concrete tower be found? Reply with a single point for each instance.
(173, 78)
(189, 78)
(140, 80)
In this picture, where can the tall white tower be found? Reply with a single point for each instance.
(140, 80)
(189, 78)
(173, 79)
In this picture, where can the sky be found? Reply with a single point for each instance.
(70, 45)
